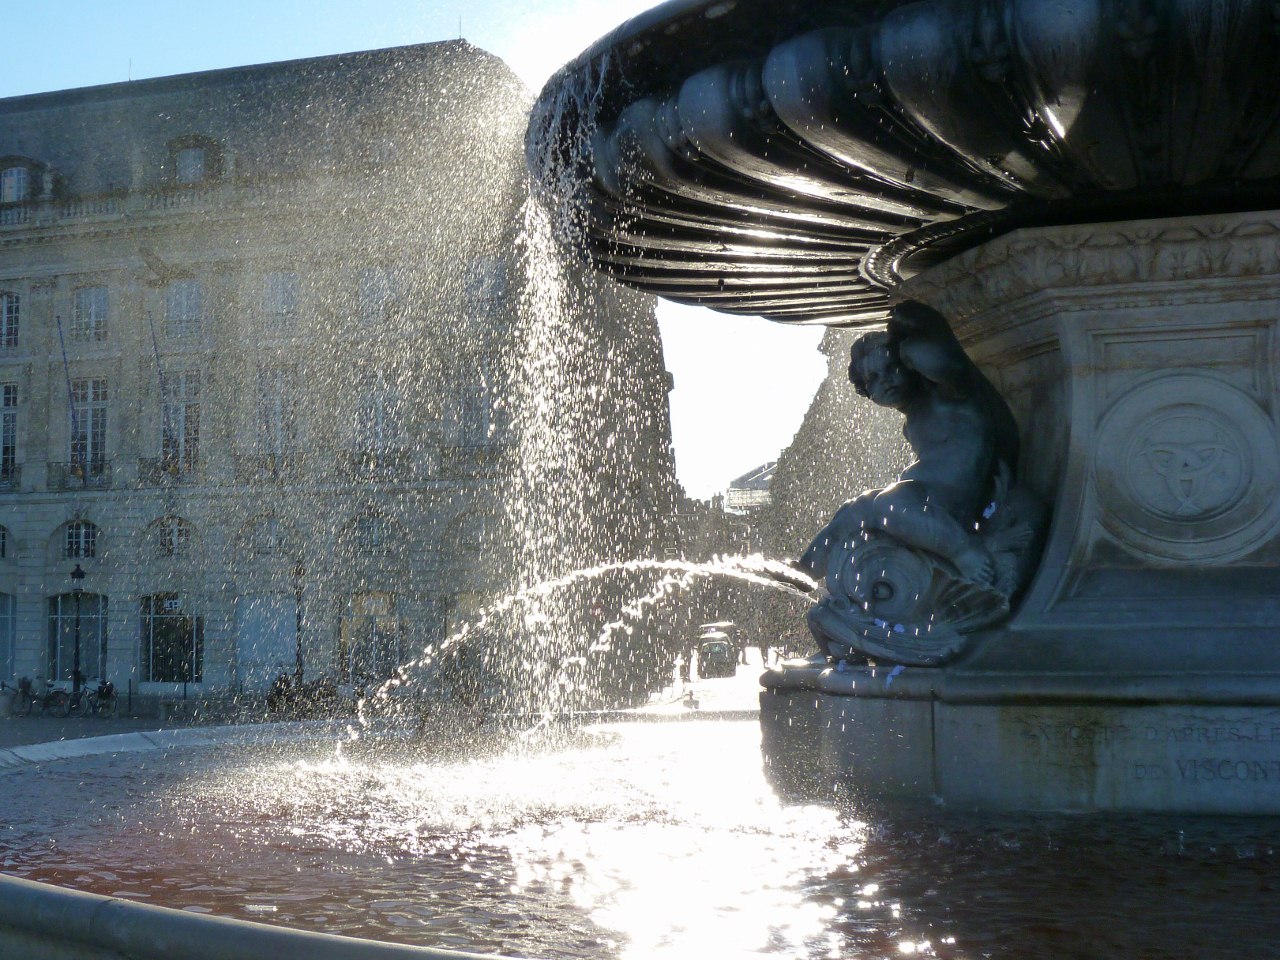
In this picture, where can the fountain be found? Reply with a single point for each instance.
(1068, 602)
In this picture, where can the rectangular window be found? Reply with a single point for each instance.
(8, 432)
(89, 611)
(378, 416)
(183, 308)
(277, 405)
(280, 299)
(89, 319)
(10, 315)
(15, 182)
(180, 420)
(172, 537)
(89, 424)
(472, 415)
(369, 638)
(267, 538)
(172, 641)
(380, 294)
(8, 625)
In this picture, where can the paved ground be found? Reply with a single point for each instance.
(20, 731)
(737, 694)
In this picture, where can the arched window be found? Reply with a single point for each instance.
(371, 535)
(172, 641)
(81, 540)
(85, 616)
(194, 159)
(266, 536)
(170, 537)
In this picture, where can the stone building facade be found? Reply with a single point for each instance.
(253, 325)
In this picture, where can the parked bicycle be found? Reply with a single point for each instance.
(99, 699)
(96, 698)
(42, 694)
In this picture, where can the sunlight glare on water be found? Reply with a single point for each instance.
(649, 840)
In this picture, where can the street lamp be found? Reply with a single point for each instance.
(77, 591)
(298, 573)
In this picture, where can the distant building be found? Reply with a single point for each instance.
(256, 378)
(845, 445)
(750, 491)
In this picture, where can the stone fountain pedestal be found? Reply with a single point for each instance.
(1141, 668)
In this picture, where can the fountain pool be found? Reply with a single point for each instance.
(630, 840)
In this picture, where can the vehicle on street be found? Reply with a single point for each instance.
(717, 657)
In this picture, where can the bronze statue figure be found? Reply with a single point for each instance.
(910, 568)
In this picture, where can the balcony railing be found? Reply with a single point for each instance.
(154, 471)
(266, 467)
(10, 477)
(80, 475)
(374, 464)
(12, 216)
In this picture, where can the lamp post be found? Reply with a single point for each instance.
(298, 573)
(77, 591)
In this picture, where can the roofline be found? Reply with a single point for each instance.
(133, 88)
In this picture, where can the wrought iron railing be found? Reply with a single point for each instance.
(154, 471)
(463, 461)
(80, 475)
(380, 465)
(266, 467)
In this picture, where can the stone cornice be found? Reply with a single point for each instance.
(1138, 252)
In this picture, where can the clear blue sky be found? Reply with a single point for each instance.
(742, 386)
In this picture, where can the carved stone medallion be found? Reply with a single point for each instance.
(1188, 468)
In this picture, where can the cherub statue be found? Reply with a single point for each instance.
(942, 549)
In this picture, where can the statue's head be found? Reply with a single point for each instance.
(878, 374)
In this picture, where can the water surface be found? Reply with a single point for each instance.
(659, 840)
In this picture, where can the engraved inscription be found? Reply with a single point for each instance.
(1077, 733)
(1179, 751)
(1243, 732)
(1218, 770)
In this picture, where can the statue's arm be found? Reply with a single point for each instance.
(926, 344)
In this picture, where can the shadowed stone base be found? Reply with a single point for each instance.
(974, 742)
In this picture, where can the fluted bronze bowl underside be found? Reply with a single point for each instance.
(797, 158)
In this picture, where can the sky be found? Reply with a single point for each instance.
(742, 385)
